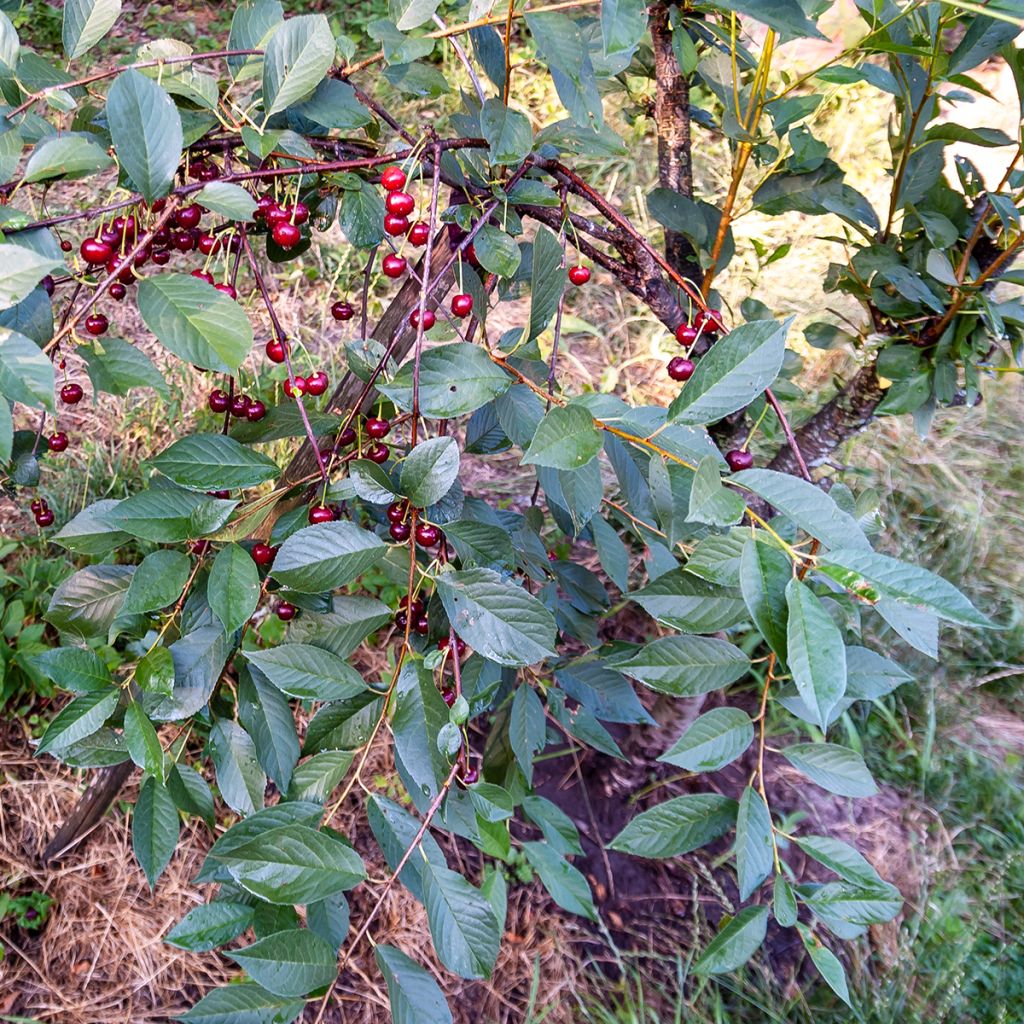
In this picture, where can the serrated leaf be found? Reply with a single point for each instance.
(684, 665)
(89, 533)
(246, 1003)
(686, 602)
(26, 375)
(344, 627)
(565, 439)
(462, 923)
(508, 133)
(677, 826)
(855, 905)
(227, 200)
(115, 366)
(288, 963)
(86, 22)
(78, 719)
(210, 925)
(319, 558)
(316, 777)
(24, 268)
(547, 280)
(735, 943)
(415, 996)
(497, 251)
(765, 572)
(714, 740)
(155, 828)
(429, 470)
(481, 544)
(73, 155)
(297, 58)
(837, 769)
(143, 742)
(169, 514)
(754, 847)
(567, 886)
(815, 651)
(527, 728)
(841, 858)
(371, 482)
(190, 792)
(233, 587)
(240, 779)
(559, 831)
(78, 669)
(827, 963)
(87, 603)
(710, 501)
(158, 581)
(784, 902)
(267, 718)
(420, 714)
(307, 672)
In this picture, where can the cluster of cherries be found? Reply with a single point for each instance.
(282, 220)
(427, 535)
(707, 322)
(240, 406)
(42, 511)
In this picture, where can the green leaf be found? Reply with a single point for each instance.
(78, 669)
(196, 322)
(735, 943)
(86, 22)
(308, 673)
(246, 1003)
(407, 14)
(87, 602)
(146, 131)
(169, 514)
(226, 200)
(841, 858)
(497, 251)
(508, 133)
(294, 864)
(754, 847)
(837, 769)
(420, 714)
(557, 826)
(190, 792)
(143, 742)
(233, 587)
(319, 558)
(816, 652)
(429, 471)
(480, 543)
(241, 781)
(827, 963)
(732, 373)
(623, 23)
(565, 439)
(80, 718)
(155, 671)
(415, 996)
(684, 666)
(454, 381)
(297, 58)
(155, 828)
(714, 740)
(288, 963)
(677, 826)
(983, 37)
(24, 268)
(497, 618)
(362, 215)
(547, 281)
(765, 572)
(462, 922)
(267, 718)
(344, 627)
(72, 155)
(317, 776)
(371, 482)
(6, 430)
(334, 105)
(158, 581)
(871, 575)
(710, 501)
(567, 886)
(115, 366)
(784, 902)
(855, 905)
(683, 601)
(210, 925)
(527, 728)
(26, 375)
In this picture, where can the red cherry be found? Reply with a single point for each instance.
(347, 437)
(462, 305)
(470, 253)
(286, 234)
(203, 276)
(208, 243)
(227, 289)
(200, 547)
(448, 694)
(378, 453)
(276, 215)
(342, 311)
(275, 351)
(122, 268)
(188, 216)
(394, 224)
(400, 532)
(285, 611)
(161, 257)
(256, 411)
(686, 334)
(71, 394)
(680, 368)
(316, 384)
(262, 554)
(579, 275)
(183, 242)
(429, 319)
(470, 776)
(421, 625)
(197, 169)
(738, 460)
(414, 606)
(162, 237)
(710, 320)
(295, 388)
(419, 233)
(378, 428)
(109, 237)
(263, 205)
(240, 405)
(45, 517)
(320, 514)
(392, 178)
(65, 245)
(210, 172)
(96, 324)
(401, 619)
(399, 203)
(397, 511)
(300, 213)
(57, 442)
(94, 250)
(49, 285)
(222, 493)
(427, 535)
(37, 506)
(219, 401)
(117, 291)
(393, 265)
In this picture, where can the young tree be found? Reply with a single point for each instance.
(221, 165)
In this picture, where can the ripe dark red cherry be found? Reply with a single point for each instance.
(275, 351)
(161, 257)
(394, 224)
(223, 493)
(49, 285)
(378, 428)
(295, 388)
(400, 531)
(710, 320)
(397, 511)
(686, 334)
(183, 242)
(117, 291)
(419, 233)
(285, 611)
(299, 213)
(421, 625)
(203, 276)
(448, 694)
(429, 319)
(219, 401)
(200, 547)
(470, 776)
(316, 384)
(263, 205)
(342, 311)
(392, 178)
(579, 275)
(427, 535)
(286, 234)
(401, 619)
(445, 642)
(462, 305)
(392, 265)
(44, 517)
(227, 289)
(680, 368)
(347, 437)
(240, 405)
(71, 394)
(378, 453)
(57, 442)
(401, 204)
(96, 324)
(94, 250)
(738, 460)
(208, 243)
(38, 504)
(256, 411)
(65, 245)
(188, 216)
(262, 554)
(276, 215)
(320, 514)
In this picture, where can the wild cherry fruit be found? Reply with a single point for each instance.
(401, 619)
(286, 234)
(299, 213)
(44, 517)
(680, 368)
(117, 291)
(392, 178)
(95, 250)
(96, 324)
(445, 642)
(57, 442)
(285, 611)
(400, 531)
(263, 205)
(393, 265)
(203, 275)
(401, 204)
(686, 334)
(427, 535)
(295, 388)
(262, 554)
(320, 514)
(413, 605)
(342, 311)
(316, 383)
(462, 305)
(227, 289)
(161, 257)
(49, 285)
(579, 275)
(378, 428)
(275, 350)
(276, 215)
(71, 394)
(421, 625)
(219, 401)
(65, 245)
(394, 224)
(223, 494)
(378, 453)
(738, 459)
(448, 694)
(429, 319)
(188, 216)
(347, 437)
(419, 233)
(38, 504)
(397, 512)
(208, 243)
(710, 320)
(256, 411)
(240, 405)
(470, 776)
(183, 242)
(200, 547)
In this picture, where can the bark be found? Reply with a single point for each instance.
(87, 813)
